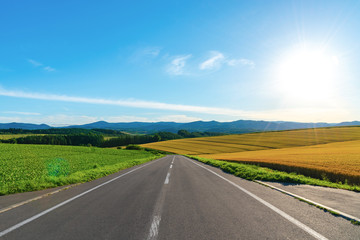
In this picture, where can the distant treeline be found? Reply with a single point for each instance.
(60, 139)
(95, 137)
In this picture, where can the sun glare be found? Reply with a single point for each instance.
(307, 75)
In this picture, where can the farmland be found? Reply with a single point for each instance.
(332, 153)
(337, 161)
(258, 141)
(34, 167)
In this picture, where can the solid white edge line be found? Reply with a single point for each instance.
(310, 201)
(272, 207)
(20, 224)
(167, 178)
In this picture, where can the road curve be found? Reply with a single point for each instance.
(171, 198)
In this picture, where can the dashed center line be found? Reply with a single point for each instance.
(154, 229)
(155, 224)
(167, 178)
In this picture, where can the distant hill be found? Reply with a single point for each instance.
(28, 126)
(240, 126)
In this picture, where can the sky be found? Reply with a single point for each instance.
(76, 62)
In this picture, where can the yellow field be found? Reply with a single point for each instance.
(334, 152)
(257, 141)
(338, 158)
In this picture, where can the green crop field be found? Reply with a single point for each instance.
(33, 167)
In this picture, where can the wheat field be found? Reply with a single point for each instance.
(332, 153)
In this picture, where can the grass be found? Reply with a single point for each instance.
(34, 167)
(254, 172)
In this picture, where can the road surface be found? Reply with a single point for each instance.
(171, 198)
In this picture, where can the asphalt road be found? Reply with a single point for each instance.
(172, 198)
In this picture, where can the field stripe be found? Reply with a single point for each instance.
(69, 200)
(272, 207)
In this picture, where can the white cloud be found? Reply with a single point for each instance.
(35, 63)
(22, 113)
(241, 61)
(152, 51)
(49, 69)
(314, 114)
(214, 62)
(38, 64)
(218, 59)
(176, 67)
(145, 55)
(125, 103)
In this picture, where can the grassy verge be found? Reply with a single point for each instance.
(26, 168)
(254, 172)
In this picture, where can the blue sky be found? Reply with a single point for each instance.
(74, 62)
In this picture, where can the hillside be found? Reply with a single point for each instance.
(240, 126)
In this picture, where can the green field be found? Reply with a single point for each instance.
(34, 167)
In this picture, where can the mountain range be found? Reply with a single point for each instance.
(240, 126)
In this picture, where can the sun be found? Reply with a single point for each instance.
(307, 75)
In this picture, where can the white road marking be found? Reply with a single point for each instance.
(154, 229)
(20, 224)
(167, 178)
(155, 224)
(272, 207)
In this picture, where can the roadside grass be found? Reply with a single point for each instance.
(254, 172)
(26, 168)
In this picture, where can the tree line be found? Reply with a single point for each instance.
(96, 138)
